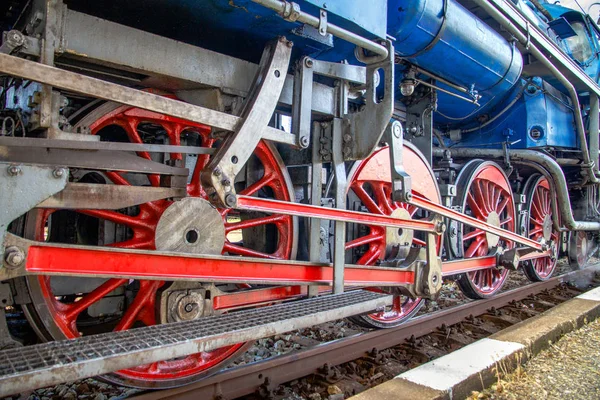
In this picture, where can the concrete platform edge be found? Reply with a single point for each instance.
(474, 367)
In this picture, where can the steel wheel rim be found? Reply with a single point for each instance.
(374, 172)
(486, 190)
(173, 372)
(540, 208)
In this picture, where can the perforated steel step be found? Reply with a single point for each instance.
(32, 367)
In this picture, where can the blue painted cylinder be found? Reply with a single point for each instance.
(443, 37)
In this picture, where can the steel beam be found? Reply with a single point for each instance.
(98, 88)
(170, 64)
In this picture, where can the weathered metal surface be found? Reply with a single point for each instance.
(22, 187)
(190, 225)
(112, 92)
(246, 379)
(107, 146)
(99, 159)
(305, 210)
(51, 363)
(186, 66)
(256, 114)
(107, 197)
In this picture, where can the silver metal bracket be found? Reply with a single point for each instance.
(303, 91)
(323, 23)
(259, 107)
(366, 127)
(401, 181)
(23, 187)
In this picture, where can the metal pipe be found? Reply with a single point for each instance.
(281, 6)
(594, 129)
(550, 169)
(525, 40)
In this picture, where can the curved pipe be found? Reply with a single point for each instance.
(521, 37)
(547, 166)
(280, 7)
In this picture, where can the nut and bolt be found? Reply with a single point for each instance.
(189, 307)
(217, 172)
(14, 256)
(309, 62)
(397, 130)
(14, 170)
(226, 182)
(230, 200)
(304, 141)
(58, 173)
(440, 227)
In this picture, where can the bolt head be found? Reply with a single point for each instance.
(308, 62)
(58, 173)
(230, 200)
(14, 170)
(217, 172)
(304, 141)
(397, 130)
(14, 256)
(189, 307)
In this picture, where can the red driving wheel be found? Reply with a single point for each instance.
(58, 314)
(484, 192)
(540, 227)
(370, 182)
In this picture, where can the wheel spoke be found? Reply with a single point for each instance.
(130, 127)
(142, 307)
(474, 247)
(252, 223)
(477, 211)
(368, 202)
(502, 205)
(380, 197)
(117, 218)
(259, 184)
(363, 240)
(473, 234)
(95, 295)
(243, 251)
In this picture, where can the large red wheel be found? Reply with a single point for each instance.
(540, 227)
(70, 307)
(370, 183)
(484, 192)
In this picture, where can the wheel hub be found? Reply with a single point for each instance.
(493, 219)
(547, 227)
(398, 240)
(190, 225)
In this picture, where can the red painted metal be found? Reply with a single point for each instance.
(540, 212)
(306, 210)
(143, 226)
(256, 297)
(98, 262)
(371, 182)
(421, 202)
(467, 265)
(487, 195)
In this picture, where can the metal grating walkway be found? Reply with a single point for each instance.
(31, 367)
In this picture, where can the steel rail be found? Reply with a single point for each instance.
(244, 380)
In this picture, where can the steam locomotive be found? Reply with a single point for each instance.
(175, 161)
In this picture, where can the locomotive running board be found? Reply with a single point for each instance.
(32, 367)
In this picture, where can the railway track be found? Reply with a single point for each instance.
(263, 377)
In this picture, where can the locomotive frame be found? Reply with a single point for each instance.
(237, 107)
